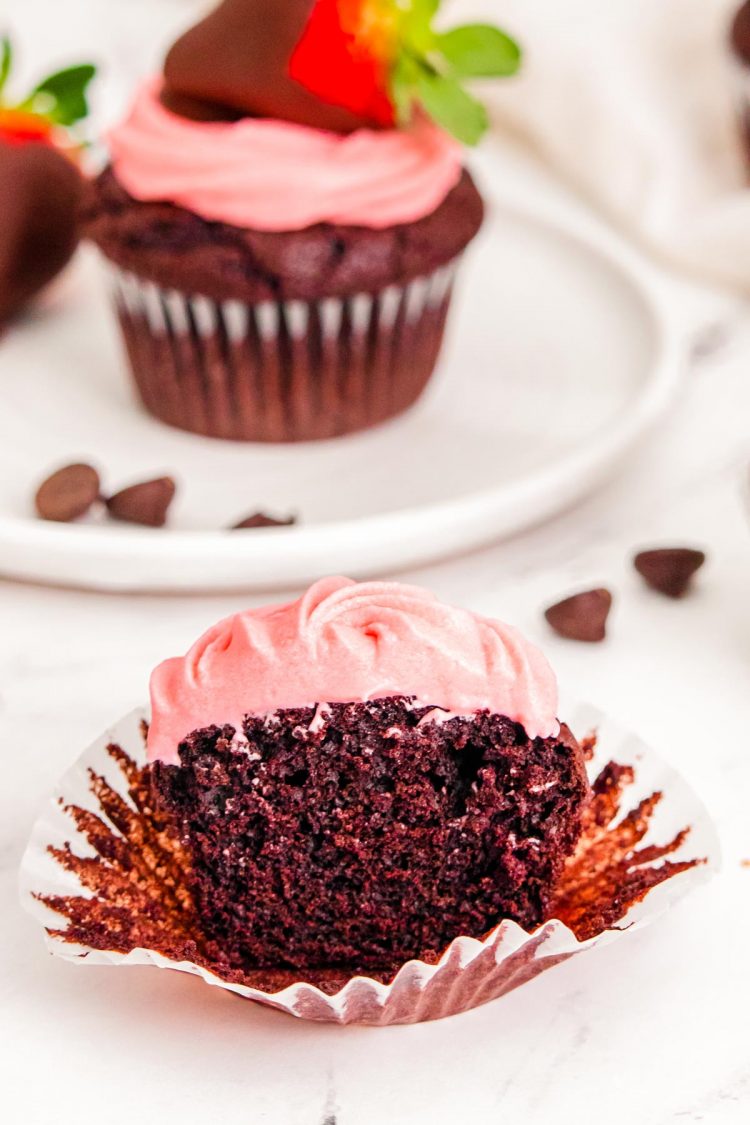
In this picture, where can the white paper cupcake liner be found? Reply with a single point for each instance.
(170, 312)
(471, 971)
(287, 370)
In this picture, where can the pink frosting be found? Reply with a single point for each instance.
(343, 642)
(262, 174)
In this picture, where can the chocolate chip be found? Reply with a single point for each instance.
(583, 617)
(68, 493)
(146, 503)
(669, 569)
(260, 519)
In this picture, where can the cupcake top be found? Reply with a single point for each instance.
(247, 172)
(348, 642)
(275, 115)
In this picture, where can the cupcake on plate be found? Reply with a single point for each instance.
(362, 776)
(285, 209)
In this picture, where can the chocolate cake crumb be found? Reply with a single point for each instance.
(366, 834)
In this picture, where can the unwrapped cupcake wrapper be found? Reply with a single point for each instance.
(282, 370)
(471, 971)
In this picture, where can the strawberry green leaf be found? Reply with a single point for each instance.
(416, 25)
(6, 60)
(479, 51)
(62, 96)
(451, 107)
(423, 11)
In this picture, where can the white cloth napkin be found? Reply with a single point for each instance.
(633, 101)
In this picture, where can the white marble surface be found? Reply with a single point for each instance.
(652, 1030)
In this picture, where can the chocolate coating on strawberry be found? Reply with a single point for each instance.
(237, 61)
(40, 190)
(740, 32)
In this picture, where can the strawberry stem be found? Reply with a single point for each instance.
(59, 100)
(429, 69)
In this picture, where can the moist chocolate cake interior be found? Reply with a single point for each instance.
(365, 834)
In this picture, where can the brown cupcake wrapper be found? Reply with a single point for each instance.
(94, 860)
(282, 370)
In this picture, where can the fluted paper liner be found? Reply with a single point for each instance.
(106, 881)
(286, 370)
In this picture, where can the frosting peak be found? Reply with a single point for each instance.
(268, 175)
(347, 642)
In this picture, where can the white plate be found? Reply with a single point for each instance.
(558, 359)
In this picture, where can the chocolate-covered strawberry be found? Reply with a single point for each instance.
(40, 190)
(40, 184)
(336, 64)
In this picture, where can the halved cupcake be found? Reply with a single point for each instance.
(362, 776)
(285, 210)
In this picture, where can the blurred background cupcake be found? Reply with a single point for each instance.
(285, 209)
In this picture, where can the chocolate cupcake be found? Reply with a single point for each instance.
(361, 777)
(283, 239)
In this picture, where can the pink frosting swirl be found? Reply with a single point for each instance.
(343, 642)
(268, 175)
